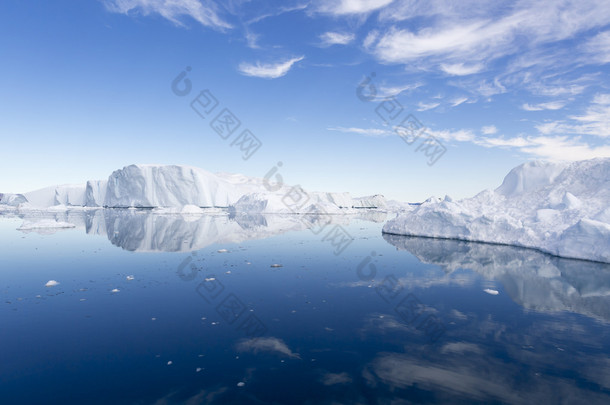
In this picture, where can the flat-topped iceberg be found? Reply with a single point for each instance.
(177, 188)
(562, 209)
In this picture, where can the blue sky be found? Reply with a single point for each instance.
(87, 89)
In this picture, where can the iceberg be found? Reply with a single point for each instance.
(562, 209)
(184, 189)
(67, 194)
(12, 200)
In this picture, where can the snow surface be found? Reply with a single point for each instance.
(562, 209)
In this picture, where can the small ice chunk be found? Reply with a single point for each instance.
(223, 251)
(116, 290)
(490, 291)
(129, 278)
(210, 279)
(169, 363)
(241, 384)
(277, 265)
(198, 369)
(51, 283)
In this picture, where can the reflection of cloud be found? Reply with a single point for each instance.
(335, 378)
(204, 396)
(461, 348)
(270, 344)
(402, 371)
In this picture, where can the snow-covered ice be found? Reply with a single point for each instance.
(51, 283)
(558, 208)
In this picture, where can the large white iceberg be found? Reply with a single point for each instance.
(562, 209)
(177, 186)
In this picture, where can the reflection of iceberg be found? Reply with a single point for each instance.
(145, 231)
(533, 279)
(148, 231)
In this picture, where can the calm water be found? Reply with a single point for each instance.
(383, 319)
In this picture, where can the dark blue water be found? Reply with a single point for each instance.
(336, 323)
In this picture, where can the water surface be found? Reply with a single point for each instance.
(288, 315)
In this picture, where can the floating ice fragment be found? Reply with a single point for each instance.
(223, 251)
(129, 278)
(51, 283)
(210, 279)
(198, 369)
(153, 319)
(228, 272)
(116, 290)
(169, 363)
(277, 265)
(241, 384)
(490, 291)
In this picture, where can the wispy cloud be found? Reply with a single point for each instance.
(594, 121)
(206, 13)
(489, 130)
(277, 11)
(344, 7)
(461, 135)
(598, 48)
(553, 105)
(336, 38)
(421, 106)
(391, 91)
(457, 101)
(268, 70)
(459, 69)
(374, 132)
(470, 37)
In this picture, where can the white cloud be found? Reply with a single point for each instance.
(268, 70)
(370, 39)
(459, 69)
(462, 135)
(465, 36)
(252, 40)
(553, 105)
(554, 148)
(206, 13)
(598, 48)
(489, 130)
(390, 91)
(343, 7)
(336, 38)
(458, 101)
(269, 344)
(421, 106)
(374, 132)
(594, 121)
(563, 148)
